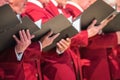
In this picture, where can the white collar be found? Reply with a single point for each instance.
(19, 17)
(54, 2)
(38, 3)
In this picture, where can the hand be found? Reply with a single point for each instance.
(93, 30)
(48, 39)
(24, 41)
(63, 45)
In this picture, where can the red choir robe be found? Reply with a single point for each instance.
(68, 11)
(26, 69)
(93, 63)
(66, 65)
(10, 67)
(71, 10)
(1, 74)
(55, 58)
(31, 62)
(114, 62)
(36, 13)
(96, 52)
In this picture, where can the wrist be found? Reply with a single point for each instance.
(18, 50)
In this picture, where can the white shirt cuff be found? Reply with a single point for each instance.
(19, 55)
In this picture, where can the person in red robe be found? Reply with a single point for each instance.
(52, 57)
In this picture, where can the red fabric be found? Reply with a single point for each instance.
(31, 62)
(1, 74)
(12, 71)
(68, 11)
(114, 62)
(96, 52)
(8, 55)
(53, 64)
(64, 66)
(36, 13)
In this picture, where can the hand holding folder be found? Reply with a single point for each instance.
(58, 24)
(100, 11)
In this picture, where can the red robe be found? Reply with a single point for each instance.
(1, 74)
(114, 62)
(50, 57)
(66, 65)
(96, 52)
(69, 10)
(36, 13)
(10, 67)
(31, 62)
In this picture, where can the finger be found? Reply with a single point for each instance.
(16, 39)
(55, 36)
(92, 24)
(105, 22)
(21, 36)
(63, 44)
(32, 36)
(49, 34)
(24, 35)
(68, 40)
(59, 46)
(28, 34)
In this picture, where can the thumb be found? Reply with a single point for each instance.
(49, 33)
(32, 36)
(55, 36)
(92, 24)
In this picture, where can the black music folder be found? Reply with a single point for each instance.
(113, 25)
(100, 11)
(58, 24)
(6, 39)
(8, 18)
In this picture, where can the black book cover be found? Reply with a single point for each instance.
(58, 24)
(8, 18)
(6, 39)
(100, 10)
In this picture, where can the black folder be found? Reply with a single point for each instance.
(100, 11)
(58, 24)
(113, 25)
(6, 39)
(8, 18)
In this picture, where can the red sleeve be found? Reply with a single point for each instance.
(32, 52)
(81, 39)
(103, 41)
(8, 55)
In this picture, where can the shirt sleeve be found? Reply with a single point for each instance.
(19, 55)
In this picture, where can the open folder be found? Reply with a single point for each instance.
(6, 39)
(59, 24)
(100, 11)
